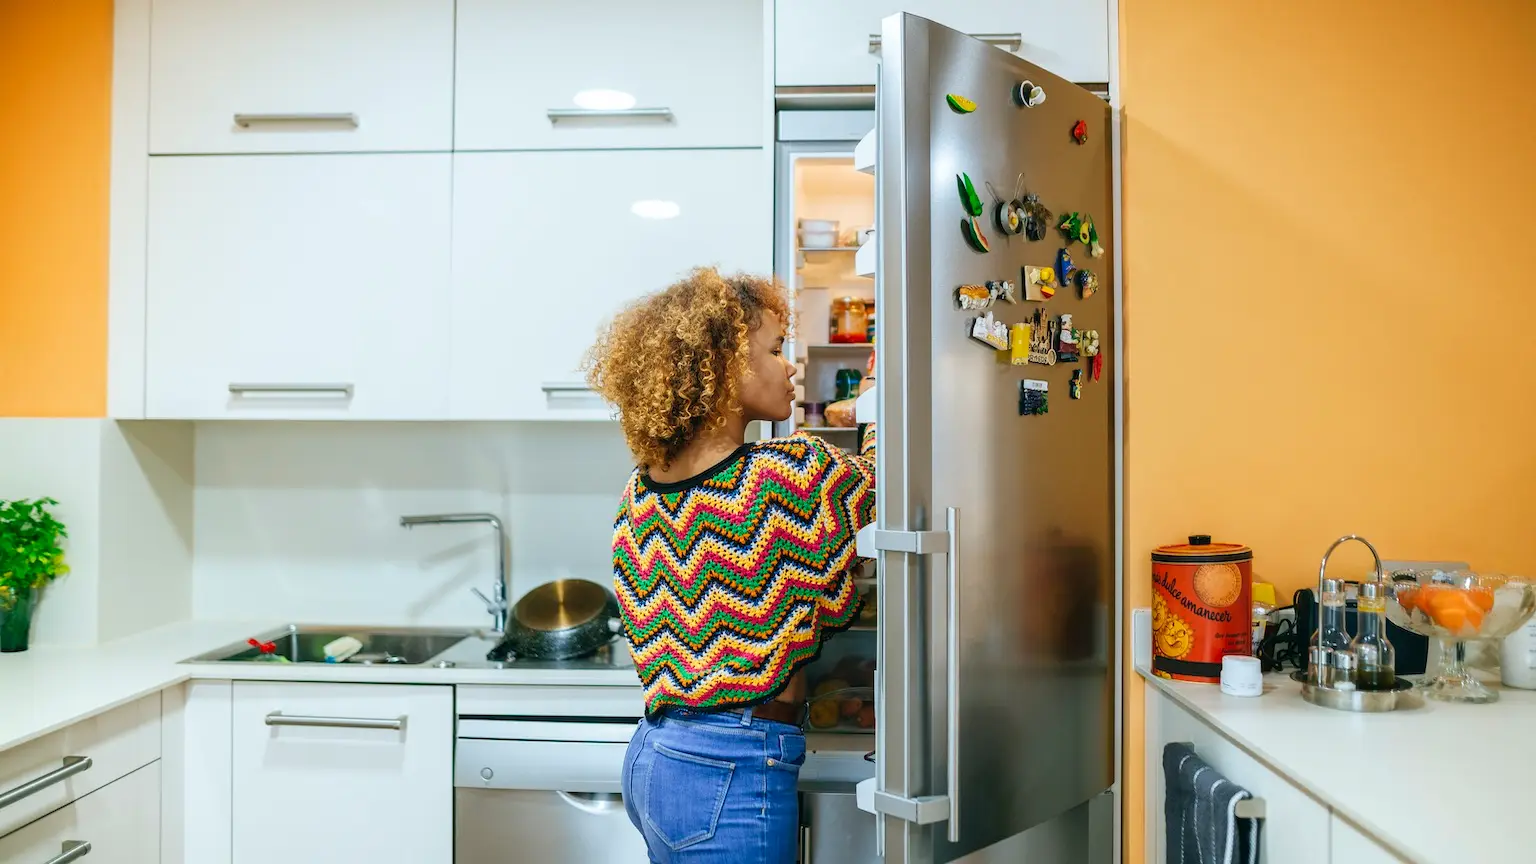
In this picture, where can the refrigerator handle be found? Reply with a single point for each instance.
(952, 676)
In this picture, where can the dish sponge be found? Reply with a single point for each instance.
(339, 650)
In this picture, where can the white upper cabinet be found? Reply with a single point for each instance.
(298, 287)
(538, 75)
(284, 76)
(821, 43)
(547, 246)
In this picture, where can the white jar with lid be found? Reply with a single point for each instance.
(1517, 657)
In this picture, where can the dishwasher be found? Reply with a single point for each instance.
(542, 790)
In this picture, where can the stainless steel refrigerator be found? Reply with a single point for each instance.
(996, 530)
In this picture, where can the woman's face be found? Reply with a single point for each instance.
(768, 392)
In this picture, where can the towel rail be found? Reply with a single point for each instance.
(1250, 808)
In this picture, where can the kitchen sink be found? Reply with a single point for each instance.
(399, 646)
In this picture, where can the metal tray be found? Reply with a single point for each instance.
(1401, 696)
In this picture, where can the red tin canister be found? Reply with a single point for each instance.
(1202, 607)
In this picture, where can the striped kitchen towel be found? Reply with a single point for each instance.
(1200, 807)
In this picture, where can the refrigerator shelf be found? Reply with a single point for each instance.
(812, 250)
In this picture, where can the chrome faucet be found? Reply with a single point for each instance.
(499, 603)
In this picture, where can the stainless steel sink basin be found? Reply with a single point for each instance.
(400, 646)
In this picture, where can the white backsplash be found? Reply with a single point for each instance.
(301, 521)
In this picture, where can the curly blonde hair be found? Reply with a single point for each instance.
(672, 362)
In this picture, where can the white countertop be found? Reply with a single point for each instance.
(48, 688)
(1440, 784)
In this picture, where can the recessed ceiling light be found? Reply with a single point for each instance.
(604, 100)
(652, 209)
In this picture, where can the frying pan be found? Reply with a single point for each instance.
(560, 620)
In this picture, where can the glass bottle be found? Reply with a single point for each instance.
(1332, 663)
(1375, 658)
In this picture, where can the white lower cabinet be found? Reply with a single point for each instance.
(298, 287)
(1295, 826)
(548, 245)
(116, 824)
(342, 772)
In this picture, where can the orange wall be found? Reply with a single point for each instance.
(55, 113)
(1330, 297)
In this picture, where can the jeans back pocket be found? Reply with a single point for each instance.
(684, 795)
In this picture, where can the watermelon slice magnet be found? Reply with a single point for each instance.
(960, 104)
(972, 231)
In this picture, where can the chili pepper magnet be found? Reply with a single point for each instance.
(968, 197)
(1028, 95)
(1080, 132)
(1096, 366)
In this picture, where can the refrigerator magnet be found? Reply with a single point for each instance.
(1018, 344)
(972, 231)
(1087, 283)
(1080, 132)
(1034, 397)
(1064, 265)
(1008, 213)
(1089, 342)
(1096, 366)
(968, 197)
(974, 297)
(1039, 283)
(990, 331)
(959, 104)
(1036, 217)
(1066, 340)
(1077, 384)
(1027, 94)
(1002, 290)
(1042, 339)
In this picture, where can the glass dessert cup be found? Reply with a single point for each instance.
(1456, 607)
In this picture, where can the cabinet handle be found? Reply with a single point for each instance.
(246, 121)
(74, 850)
(278, 718)
(557, 387)
(344, 390)
(72, 765)
(805, 844)
(558, 114)
(1008, 41)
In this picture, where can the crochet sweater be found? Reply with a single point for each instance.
(729, 582)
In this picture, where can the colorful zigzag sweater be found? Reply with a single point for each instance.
(729, 582)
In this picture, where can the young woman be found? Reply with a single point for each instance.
(732, 563)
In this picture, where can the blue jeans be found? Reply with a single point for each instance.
(715, 788)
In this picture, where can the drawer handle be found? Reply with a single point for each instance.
(246, 121)
(343, 390)
(558, 114)
(556, 387)
(1008, 41)
(74, 850)
(278, 718)
(72, 765)
(594, 803)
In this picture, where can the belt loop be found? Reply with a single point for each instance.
(746, 716)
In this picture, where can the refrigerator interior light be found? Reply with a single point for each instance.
(604, 100)
(655, 209)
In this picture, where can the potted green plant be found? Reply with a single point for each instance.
(30, 558)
